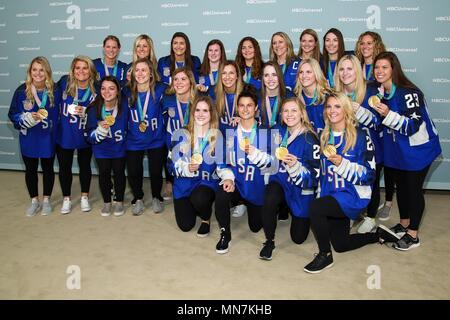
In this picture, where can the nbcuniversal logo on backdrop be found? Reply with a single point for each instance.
(373, 20)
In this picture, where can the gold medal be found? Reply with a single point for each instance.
(43, 113)
(373, 101)
(244, 143)
(196, 158)
(329, 150)
(281, 152)
(110, 120)
(142, 126)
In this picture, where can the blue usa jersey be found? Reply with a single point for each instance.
(209, 80)
(113, 146)
(247, 171)
(164, 68)
(370, 121)
(248, 78)
(298, 182)
(410, 139)
(72, 128)
(225, 121)
(39, 140)
(154, 136)
(120, 74)
(290, 73)
(172, 118)
(315, 114)
(264, 119)
(178, 161)
(350, 182)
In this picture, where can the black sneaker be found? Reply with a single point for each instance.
(386, 235)
(399, 229)
(322, 260)
(224, 242)
(266, 251)
(406, 243)
(203, 230)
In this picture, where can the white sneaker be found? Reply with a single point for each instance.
(34, 208)
(46, 207)
(367, 225)
(85, 205)
(106, 210)
(239, 211)
(66, 206)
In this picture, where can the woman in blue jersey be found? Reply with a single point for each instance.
(298, 152)
(347, 173)
(309, 45)
(411, 143)
(78, 91)
(226, 92)
(282, 52)
(212, 59)
(310, 89)
(143, 47)
(106, 130)
(333, 50)
(146, 133)
(193, 165)
(349, 80)
(180, 56)
(110, 63)
(368, 46)
(34, 112)
(245, 158)
(250, 62)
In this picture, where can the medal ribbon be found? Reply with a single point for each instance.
(184, 119)
(213, 77)
(143, 111)
(198, 148)
(330, 75)
(107, 69)
(109, 112)
(248, 74)
(230, 116)
(391, 94)
(41, 104)
(85, 96)
(272, 114)
(240, 134)
(314, 99)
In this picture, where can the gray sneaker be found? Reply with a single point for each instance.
(138, 208)
(46, 208)
(118, 209)
(106, 210)
(157, 205)
(383, 214)
(33, 209)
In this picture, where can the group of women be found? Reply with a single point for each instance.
(306, 134)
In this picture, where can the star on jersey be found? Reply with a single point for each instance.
(415, 116)
(372, 163)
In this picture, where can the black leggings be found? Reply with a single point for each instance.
(31, 175)
(410, 199)
(169, 177)
(135, 169)
(65, 159)
(105, 166)
(199, 203)
(222, 209)
(330, 224)
(389, 184)
(372, 208)
(274, 199)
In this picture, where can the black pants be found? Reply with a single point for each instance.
(222, 209)
(199, 203)
(274, 199)
(330, 224)
(372, 208)
(65, 159)
(169, 177)
(117, 166)
(410, 198)
(389, 184)
(31, 175)
(135, 169)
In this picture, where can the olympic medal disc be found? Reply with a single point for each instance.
(142, 127)
(43, 113)
(281, 152)
(373, 101)
(196, 158)
(329, 150)
(110, 120)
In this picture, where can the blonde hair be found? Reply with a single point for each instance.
(71, 88)
(49, 84)
(378, 45)
(290, 55)
(321, 82)
(213, 123)
(190, 75)
(304, 122)
(151, 56)
(316, 51)
(220, 90)
(351, 123)
(360, 82)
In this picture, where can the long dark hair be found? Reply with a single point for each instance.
(133, 84)
(187, 54)
(257, 60)
(398, 77)
(205, 68)
(341, 47)
(281, 90)
(99, 101)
